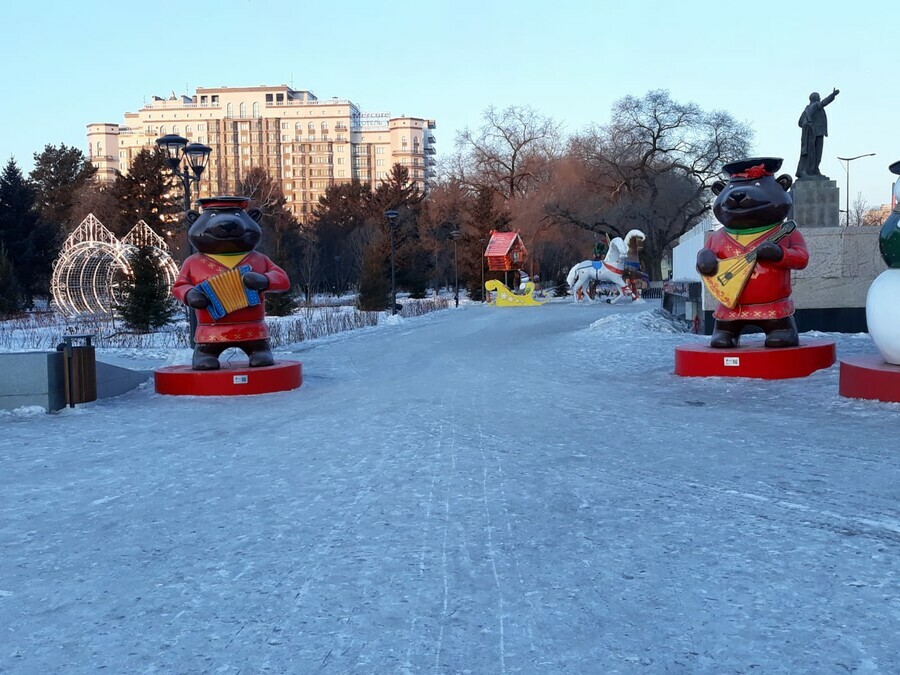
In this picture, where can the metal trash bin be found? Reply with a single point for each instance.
(79, 369)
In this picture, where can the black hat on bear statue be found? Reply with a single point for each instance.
(760, 166)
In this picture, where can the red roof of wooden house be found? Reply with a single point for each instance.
(505, 251)
(501, 243)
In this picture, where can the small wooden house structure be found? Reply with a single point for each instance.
(505, 252)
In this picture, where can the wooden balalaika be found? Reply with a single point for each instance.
(226, 292)
(727, 284)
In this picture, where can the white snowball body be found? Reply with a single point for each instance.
(883, 314)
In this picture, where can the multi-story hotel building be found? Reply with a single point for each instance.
(304, 143)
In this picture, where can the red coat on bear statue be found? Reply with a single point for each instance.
(225, 234)
(752, 206)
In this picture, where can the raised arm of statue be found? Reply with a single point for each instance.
(828, 99)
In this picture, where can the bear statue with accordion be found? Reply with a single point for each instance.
(226, 281)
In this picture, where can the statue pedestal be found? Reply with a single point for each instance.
(754, 360)
(232, 379)
(816, 203)
(869, 377)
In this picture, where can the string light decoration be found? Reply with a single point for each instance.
(93, 263)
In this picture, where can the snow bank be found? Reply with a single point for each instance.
(640, 323)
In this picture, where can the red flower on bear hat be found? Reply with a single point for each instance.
(754, 172)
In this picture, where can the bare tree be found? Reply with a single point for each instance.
(265, 192)
(862, 214)
(650, 169)
(509, 152)
(310, 269)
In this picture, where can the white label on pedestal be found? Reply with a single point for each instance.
(732, 360)
(240, 379)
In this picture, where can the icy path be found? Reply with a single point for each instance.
(480, 491)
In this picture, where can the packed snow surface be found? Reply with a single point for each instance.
(481, 490)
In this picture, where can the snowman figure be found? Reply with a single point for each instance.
(882, 307)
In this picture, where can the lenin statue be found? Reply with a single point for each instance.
(814, 128)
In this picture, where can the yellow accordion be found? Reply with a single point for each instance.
(226, 292)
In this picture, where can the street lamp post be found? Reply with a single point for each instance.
(187, 162)
(455, 234)
(338, 285)
(848, 160)
(483, 292)
(392, 221)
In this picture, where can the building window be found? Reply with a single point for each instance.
(379, 162)
(188, 130)
(284, 125)
(324, 126)
(340, 160)
(255, 109)
(312, 127)
(379, 150)
(340, 173)
(242, 110)
(175, 129)
(215, 99)
(339, 148)
(162, 131)
(229, 110)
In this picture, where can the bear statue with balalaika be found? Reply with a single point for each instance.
(747, 264)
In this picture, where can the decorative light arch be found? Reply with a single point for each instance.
(143, 235)
(88, 275)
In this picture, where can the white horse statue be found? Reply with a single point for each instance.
(610, 269)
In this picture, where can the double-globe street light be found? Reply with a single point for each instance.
(187, 162)
(392, 216)
(848, 160)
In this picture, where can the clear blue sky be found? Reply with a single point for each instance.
(66, 64)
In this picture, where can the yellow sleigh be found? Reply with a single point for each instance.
(506, 298)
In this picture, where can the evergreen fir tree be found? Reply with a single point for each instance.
(31, 244)
(147, 303)
(148, 192)
(59, 174)
(560, 285)
(10, 296)
(374, 284)
(281, 304)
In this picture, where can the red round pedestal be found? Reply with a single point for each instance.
(230, 380)
(754, 361)
(869, 377)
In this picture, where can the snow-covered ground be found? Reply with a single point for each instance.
(482, 490)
